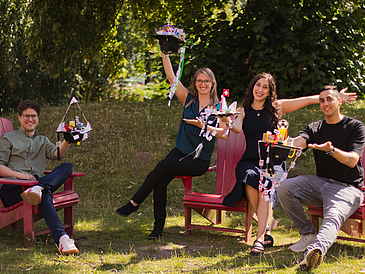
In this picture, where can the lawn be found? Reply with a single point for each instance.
(127, 141)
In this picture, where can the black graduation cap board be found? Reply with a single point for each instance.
(170, 39)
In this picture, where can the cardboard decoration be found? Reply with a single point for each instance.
(279, 147)
(172, 40)
(74, 125)
(217, 112)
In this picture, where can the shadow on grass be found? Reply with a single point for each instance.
(112, 243)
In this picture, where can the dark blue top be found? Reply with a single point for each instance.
(188, 135)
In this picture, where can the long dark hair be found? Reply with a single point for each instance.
(213, 92)
(271, 103)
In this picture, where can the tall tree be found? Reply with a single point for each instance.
(304, 44)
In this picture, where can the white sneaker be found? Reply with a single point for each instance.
(32, 195)
(302, 244)
(67, 245)
(313, 258)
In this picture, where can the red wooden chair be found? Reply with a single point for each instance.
(23, 215)
(229, 152)
(354, 226)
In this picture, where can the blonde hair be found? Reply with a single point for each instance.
(213, 91)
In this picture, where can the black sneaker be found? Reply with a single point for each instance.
(127, 209)
(155, 234)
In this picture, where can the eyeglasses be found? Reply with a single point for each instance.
(28, 116)
(199, 82)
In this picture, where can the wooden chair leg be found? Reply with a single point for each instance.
(187, 221)
(28, 225)
(315, 221)
(69, 219)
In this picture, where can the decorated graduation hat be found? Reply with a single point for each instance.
(74, 126)
(170, 39)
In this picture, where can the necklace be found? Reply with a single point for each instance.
(258, 112)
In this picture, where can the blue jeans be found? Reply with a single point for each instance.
(339, 201)
(10, 195)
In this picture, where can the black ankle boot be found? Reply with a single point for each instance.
(156, 234)
(127, 209)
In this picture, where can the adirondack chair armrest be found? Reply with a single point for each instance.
(188, 180)
(68, 185)
(24, 183)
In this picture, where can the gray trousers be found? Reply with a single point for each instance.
(339, 201)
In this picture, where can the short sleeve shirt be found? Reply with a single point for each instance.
(347, 135)
(26, 154)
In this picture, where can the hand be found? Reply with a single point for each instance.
(347, 97)
(26, 177)
(196, 122)
(226, 120)
(326, 147)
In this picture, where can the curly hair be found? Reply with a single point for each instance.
(271, 104)
(28, 104)
(213, 92)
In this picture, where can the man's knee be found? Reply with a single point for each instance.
(67, 166)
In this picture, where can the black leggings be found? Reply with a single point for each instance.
(159, 178)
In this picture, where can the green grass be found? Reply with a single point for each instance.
(127, 141)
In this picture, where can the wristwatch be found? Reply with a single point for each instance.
(330, 152)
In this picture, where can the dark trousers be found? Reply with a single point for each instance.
(10, 195)
(159, 178)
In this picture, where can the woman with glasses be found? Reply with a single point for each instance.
(202, 93)
(260, 113)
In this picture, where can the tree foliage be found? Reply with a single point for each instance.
(53, 49)
(304, 44)
(20, 77)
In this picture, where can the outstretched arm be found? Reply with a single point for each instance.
(181, 92)
(349, 158)
(238, 120)
(299, 141)
(289, 105)
(63, 148)
(221, 130)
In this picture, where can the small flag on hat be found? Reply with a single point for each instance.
(226, 92)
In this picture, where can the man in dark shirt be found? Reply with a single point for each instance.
(337, 143)
(23, 155)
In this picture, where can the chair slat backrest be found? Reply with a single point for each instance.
(229, 152)
(5, 126)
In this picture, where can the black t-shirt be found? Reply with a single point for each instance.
(347, 135)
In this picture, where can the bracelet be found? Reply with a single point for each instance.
(231, 124)
(164, 56)
(330, 153)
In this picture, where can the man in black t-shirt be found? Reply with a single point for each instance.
(337, 143)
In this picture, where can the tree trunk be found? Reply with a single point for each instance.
(88, 93)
